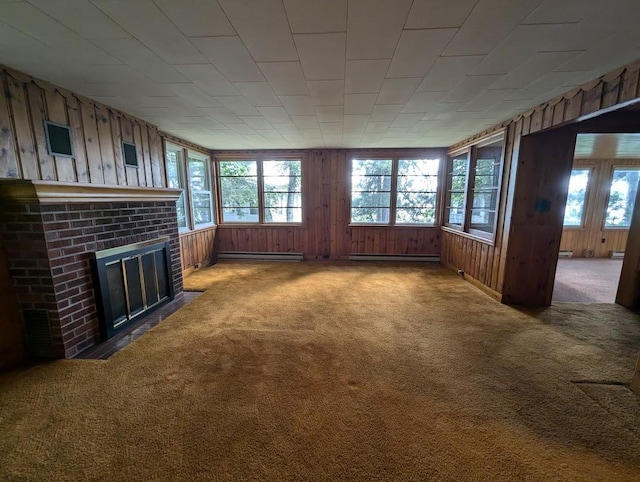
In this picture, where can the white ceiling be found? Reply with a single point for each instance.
(245, 74)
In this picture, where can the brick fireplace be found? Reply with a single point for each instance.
(51, 231)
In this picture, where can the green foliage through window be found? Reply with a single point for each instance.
(622, 196)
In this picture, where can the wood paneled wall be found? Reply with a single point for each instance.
(97, 131)
(618, 88)
(198, 248)
(591, 235)
(325, 232)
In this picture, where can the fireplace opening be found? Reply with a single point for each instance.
(131, 280)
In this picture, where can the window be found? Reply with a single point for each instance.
(473, 187)
(261, 191)
(130, 154)
(195, 205)
(574, 211)
(394, 191)
(58, 138)
(622, 196)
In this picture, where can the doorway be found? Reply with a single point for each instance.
(602, 191)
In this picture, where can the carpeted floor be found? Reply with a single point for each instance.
(305, 371)
(583, 280)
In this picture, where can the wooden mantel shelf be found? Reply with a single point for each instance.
(50, 192)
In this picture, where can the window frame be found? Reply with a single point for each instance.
(393, 193)
(259, 160)
(185, 182)
(471, 149)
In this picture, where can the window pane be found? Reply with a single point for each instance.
(239, 191)
(486, 183)
(622, 195)
(200, 184)
(201, 202)
(370, 215)
(175, 180)
(457, 186)
(574, 211)
(416, 190)
(282, 191)
(371, 190)
(423, 215)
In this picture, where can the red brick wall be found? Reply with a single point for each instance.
(49, 248)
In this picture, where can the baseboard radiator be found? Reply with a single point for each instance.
(424, 258)
(566, 254)
(617, 254)
(255, 256)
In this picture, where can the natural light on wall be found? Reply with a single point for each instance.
(394, 191)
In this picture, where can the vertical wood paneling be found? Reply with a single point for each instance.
(97, 133)
(8, 152)
(197, 248)
(79, 145)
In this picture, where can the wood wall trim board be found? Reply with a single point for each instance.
(478, 284)
(49, 192)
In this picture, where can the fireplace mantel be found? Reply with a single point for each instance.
(51, 192)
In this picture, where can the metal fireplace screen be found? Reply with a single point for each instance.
(131, 280)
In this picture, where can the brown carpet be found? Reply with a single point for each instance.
(303, 371)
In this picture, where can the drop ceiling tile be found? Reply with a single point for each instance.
(311, 16)
(260, 94)
(157, 32)
(359, 103)
(603, 57)
(406, 120)
(242, 129)
(536, 66)
(374, 27)
(562, 11)
(35, 23)
(298, 104)
(470, 87)
(275, 114)
(285, 78)
(322, 55)
(230, 57)
(197, 18)
(417, 51)
(332, 141)
(355, 121)
(327, 92)
(447, 71)
(192, 94)
(263, 27)
(255, 122)
(422, 102)
(238, 105)
(331, 128)
(310, 133)
(353, 131)
(377, 127)
(397, 91)
(543, 85)
(369, 139)
(439, 13)
(208, 79)
(521, 44)
(329, 113)
(487, 99)
(365, 76)
(131, 52)
(484, 28)
(82, 17)
(221, 114)
(286, 129)
(269, 133)
(305, 121)
(386, 112)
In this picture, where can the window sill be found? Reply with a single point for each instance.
(392, 226)
(489, 240)
(263, 225)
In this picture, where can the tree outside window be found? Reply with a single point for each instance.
(574, 210)
(622, 196)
